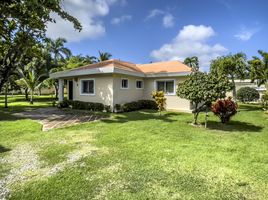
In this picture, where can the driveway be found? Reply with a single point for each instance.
(52, 117)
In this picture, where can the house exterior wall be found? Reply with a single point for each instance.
(103, 89)
(108, 91)
(122, 95)
(173, 102)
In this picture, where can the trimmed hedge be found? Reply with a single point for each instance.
(82, 105)
(127, 107)
(138, 105)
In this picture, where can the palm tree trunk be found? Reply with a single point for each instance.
(6, 91)
(26, 94)
(32, 94)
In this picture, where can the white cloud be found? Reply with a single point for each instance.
(246, 34)
(155, 12)
(121, 19)
(88, 12)
(168, 20)
(191, 41)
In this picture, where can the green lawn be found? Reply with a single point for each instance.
(136, 155)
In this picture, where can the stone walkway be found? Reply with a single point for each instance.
(56, 118)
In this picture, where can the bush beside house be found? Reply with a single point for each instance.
(247, 94)
(127, 107)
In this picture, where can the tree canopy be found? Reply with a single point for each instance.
(232, 66)
(202, 89)
(23, 25)
(259, 68)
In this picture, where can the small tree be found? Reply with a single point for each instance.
(247, 94)
(160, 100)
(224, 109)
(202, 89)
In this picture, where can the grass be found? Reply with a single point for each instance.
(140, 155)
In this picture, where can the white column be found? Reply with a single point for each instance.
(61, 89)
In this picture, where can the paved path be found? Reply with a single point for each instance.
(56, 118)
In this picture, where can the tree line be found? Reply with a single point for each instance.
(204, 88)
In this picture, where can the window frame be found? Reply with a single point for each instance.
(123, 88)
(166, 80)
(142, 84)
(81, 87)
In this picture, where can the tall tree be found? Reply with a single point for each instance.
(259, 68)
(232, 66)
(104, 56)
(57, 48)
(192, 62)
(23, 23)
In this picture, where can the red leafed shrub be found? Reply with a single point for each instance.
(224, 109)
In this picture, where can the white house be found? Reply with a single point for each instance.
(114, 82)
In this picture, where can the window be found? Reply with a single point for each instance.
(139, 84)
(124, 83)
(87, 87)
(166, 86)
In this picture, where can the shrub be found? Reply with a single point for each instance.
(118, 108)
(63, 104)
(160, 100)
(80, 105)
(137, 105)
(224, 109)
(131, 106)
(247, 94)
(147, 104)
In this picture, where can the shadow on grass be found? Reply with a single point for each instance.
(141, 115)
(4, 149)
(234, 126)
(249, 107)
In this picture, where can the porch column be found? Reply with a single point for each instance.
(61, 89)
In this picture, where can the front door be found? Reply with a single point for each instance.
(70, 90)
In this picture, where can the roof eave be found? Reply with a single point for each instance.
(167, 74)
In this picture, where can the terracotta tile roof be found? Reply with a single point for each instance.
(157, 67)
(164, 67)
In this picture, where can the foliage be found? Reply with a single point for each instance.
(192, 62)
(79, 60)
(80, 105)
(104, 56)
(138, 105)
(259, 68)
(231, 66)
(23, 25)
(58, 50)
(30, 78)
(202, 89)
(247, 94)
(224, 109)
(160, 100)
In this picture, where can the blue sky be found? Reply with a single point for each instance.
(141, 31)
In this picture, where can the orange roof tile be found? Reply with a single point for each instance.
(164, 67)
(157, 67)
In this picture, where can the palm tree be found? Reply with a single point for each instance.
(259, 68)
(104, 56)
(192, 62)
(30, 78)
(57, 48)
